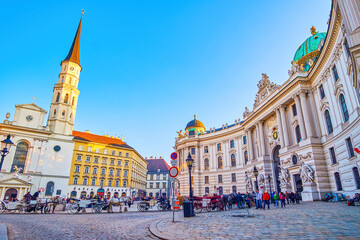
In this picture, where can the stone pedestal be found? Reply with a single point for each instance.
(309, 192)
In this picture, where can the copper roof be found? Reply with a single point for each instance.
(84, 136)
(74, 52)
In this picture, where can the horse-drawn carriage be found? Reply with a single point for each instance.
(80, 205)
(45, 205)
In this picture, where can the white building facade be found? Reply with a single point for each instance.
(300, 136)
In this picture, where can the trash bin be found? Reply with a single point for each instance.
(187, 208)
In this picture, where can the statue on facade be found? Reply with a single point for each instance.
(16, 171)
(29, 179)
(284, 177)
(306, 173)
(261, 181)
(180, 134)
(248, 183)
(246, 112)
(294, 68)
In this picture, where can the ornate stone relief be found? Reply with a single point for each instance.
(265, 89)
(261, 180)
(248, 183)
(306, 173)
(284, 177)
(246, 113)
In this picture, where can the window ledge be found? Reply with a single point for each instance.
(345, 125)
(352, 158)
(335, 164)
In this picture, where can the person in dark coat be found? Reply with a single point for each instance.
(239, 200)
(36, 195)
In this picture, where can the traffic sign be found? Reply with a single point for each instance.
(173, 162)
(173, 172)
(357, 150)
(173, 156)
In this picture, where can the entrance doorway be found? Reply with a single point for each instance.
(11, 193)
(276, 166)
(298, 183)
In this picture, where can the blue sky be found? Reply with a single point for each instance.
(149, 66)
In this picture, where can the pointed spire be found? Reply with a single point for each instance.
(74, 53)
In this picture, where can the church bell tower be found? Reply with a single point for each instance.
(65, 96)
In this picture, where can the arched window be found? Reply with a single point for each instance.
(233, 160)
(73, 101)
(246, 157)
(207, 190)
(58, 97)
(66, 99)
(338, 181)
(20, 157)
(220, 163)
(49, 189)
(344, 108)
(297, 133)
(206, 164)
(356, 177)
(73, 194)
(328, 122)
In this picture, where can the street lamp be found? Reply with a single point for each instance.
(5, 146)
(189, 162)
(269, 179)
(256, 173)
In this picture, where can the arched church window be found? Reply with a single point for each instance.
(328, 122)
(220, 163)
(58, 97)
(246, 158)
(49, 189)
(206, 164)
(20, 157)
(66, 99)
(344, 108)
(298, 135)
(73, 101)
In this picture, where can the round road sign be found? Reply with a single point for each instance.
(173, 156)
(173, 172)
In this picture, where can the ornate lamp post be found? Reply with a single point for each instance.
(189, 162)
(256, 173)
(5, 146)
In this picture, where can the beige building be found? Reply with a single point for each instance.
(301, 134)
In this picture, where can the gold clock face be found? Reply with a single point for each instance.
(275, 135)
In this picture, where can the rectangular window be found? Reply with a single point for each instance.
(164, 185)
(80, 147)
(336, 75)
(105, 151)
(244, 139)
(104, 161)
(97, 150)
(120, 153)
(151, 185)
(89, 149)
(127, 154)
(350, 148)
(157, 185)
(294, 110)
(96, 160)
(85, 181)
(164, 177)
(75, 181)
(232, 144)
(118, 172)
(233, 177)
(219, 146)
(322, 92)
(112, 161)
(192, 151)
(77, 168)
(151, 177)
(86, 170)
(103, 171)
(110, 183)
(125, 173)
(116, 183)
(219, 178)
(126, 163)
(88, 158)
(119, 163)
(93, 182)
(206, 179)
(332, 155)
(206, 149)
(101, 182)
(78, 158)
(158, 177)
(113, 153)
(95, 170)
(111, 172)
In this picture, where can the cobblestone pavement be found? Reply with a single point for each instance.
(309, 220)
(131, 225)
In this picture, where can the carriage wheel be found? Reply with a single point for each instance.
(73, 208)
(22, 209)
(47, 209)
(96, 208)
(197, 209)
(142, 207)
(160, 207)
(2, 207)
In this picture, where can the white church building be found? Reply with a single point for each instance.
(41, 156)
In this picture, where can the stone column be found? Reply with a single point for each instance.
(198, 159)
(284, 126)
(257, 146)
(307, 119)
(239, 156)
(249, 143)
(225, 150)
(262, 140)
(281, 135)
(316, 120)
(300, 117)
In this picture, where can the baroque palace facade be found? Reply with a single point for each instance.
(299, 136)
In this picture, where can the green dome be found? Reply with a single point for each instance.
(310, 45)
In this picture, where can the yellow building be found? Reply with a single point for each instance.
(105, 164)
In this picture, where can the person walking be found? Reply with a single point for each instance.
(258, 199)
(239, 200)
(292, 197)
(266, 199)
(276, 199)
(282, 199)
(287, 195)
(297, 197)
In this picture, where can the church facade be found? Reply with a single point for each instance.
(302, 135)
(41, 156)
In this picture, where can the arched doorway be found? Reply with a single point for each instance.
(11, 193)
(49, 189)
(276, 166)
(83, 195)
(73, 194)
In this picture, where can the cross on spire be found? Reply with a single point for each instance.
(33, 100)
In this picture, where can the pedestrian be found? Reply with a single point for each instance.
(276, 199)
(266, 199)
(282, 199)
(258, 199)
(292, 197)
(287, 195)
(297, 197)
(239, 200)
(36, 195)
